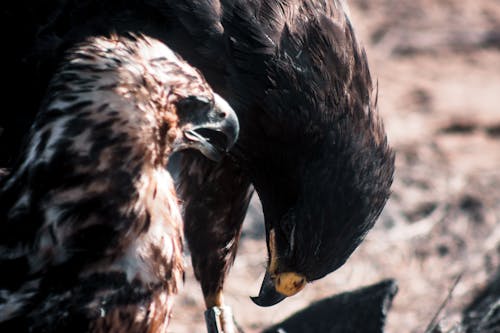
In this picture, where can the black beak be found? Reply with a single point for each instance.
(268, 295)
(213, 132)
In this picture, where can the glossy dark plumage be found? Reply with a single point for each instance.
(90, 225)
(311, 141)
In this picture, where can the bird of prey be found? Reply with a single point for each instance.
(311, 142)
(90, 225)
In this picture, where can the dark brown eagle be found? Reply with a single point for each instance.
(90, 226)
(311, 142)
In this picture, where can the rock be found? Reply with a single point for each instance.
(362, 310)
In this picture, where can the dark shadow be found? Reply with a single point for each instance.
(362, 310)
(483, 314)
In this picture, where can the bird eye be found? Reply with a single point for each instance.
(191, 106)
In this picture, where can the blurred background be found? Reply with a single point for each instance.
(438, 69)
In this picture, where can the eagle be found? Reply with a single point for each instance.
(91, 232)
(311, 143)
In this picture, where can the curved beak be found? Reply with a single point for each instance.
(268, 295)
(213, 133)
(277, 286)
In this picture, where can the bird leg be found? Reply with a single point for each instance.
(214, 300)
(219, 317)
(216, 197)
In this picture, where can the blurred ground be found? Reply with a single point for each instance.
(438, 69)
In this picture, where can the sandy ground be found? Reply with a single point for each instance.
(438, 69)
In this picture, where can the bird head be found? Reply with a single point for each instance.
(313, 228)
(208, 125)
(164, 102)
(321, 164)
(188, 113)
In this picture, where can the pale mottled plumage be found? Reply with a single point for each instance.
(90, 227)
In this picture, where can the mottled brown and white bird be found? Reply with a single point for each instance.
(90, 227)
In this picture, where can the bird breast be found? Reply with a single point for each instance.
(154, 256)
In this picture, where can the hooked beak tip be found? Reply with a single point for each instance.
(230, 126)
(277, 288)
(268, 295)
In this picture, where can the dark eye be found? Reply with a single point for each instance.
(192, 107)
